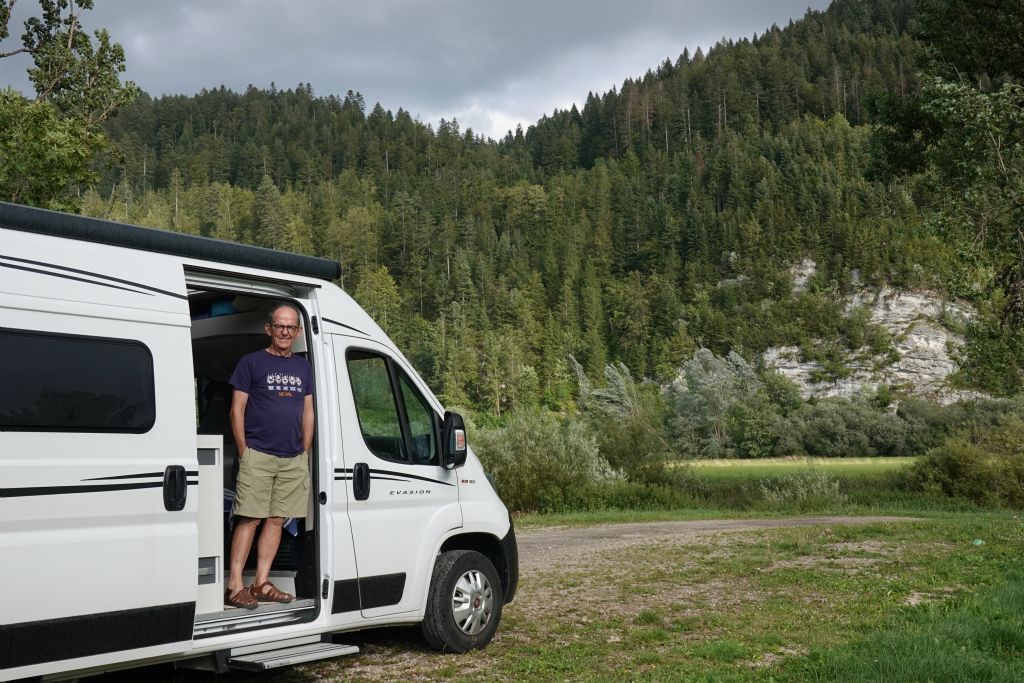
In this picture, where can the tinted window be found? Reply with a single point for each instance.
(375, 405)
(421, 424)
(78, 384)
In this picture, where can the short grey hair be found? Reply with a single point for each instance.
(278, 306)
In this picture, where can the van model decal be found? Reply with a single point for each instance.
(347, 327)
(137, 285)
(24, 491)
(345, 474)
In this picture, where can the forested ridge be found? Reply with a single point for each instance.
(595, 293)
(601, 294)
(661, 218)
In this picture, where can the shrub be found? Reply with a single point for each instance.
(539, 459)
(620, 494)
(837, 427)
(930, 424)
(988, 471)
(627, 417)
(700, 399)
(756, 429)
(781, 391)
(805, 489)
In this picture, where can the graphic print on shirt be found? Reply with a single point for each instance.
(284, 384)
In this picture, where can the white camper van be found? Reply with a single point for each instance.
(117, 462)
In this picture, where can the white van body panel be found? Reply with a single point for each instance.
(65, 272)
(86, 543)
(71, 547)
(482, 509)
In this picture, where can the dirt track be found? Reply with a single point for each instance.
(548, 547)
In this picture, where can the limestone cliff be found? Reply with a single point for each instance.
(925, 344)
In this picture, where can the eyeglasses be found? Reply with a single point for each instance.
(290, 329)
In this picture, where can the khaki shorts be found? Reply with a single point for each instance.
(270, 486)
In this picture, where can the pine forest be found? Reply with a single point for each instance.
(631, 260)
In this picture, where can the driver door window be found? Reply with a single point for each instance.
(396, 421)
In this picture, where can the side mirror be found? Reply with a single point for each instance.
(453, 439)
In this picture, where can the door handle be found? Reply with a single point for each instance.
(361, 481)
(175, 488)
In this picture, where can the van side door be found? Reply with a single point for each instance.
(401, 501)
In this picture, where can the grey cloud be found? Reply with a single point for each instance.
(489, 63)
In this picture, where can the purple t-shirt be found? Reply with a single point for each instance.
(277, 389)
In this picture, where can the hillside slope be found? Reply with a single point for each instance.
(603, 233)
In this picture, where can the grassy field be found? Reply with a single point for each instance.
(935, 599)
(725, 468)
(938, 598)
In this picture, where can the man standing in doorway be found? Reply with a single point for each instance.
(272, 420)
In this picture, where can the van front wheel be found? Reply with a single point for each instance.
(465, 601)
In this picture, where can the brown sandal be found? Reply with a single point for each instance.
(242, 598)
(269, 592)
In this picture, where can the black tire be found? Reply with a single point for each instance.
(464, 604)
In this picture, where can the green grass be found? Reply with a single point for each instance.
(980, 638)
(910, 601)
(907, 601)
(769, 467)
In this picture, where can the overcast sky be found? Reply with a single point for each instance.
(489, 64)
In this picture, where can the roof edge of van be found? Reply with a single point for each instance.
(57, 224)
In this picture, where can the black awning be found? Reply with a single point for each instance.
(71, 226)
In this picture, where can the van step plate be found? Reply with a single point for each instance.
(271, 659)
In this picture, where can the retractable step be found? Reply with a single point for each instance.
(286, 656)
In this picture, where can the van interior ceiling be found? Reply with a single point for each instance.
(225, 327)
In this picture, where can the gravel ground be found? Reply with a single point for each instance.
(544, 554)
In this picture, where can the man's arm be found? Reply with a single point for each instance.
(307, 423)
(238, 401)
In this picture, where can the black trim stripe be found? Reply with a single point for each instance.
(28, 491)
(61, 490)
(345, 474)
(346, 596)
(36, 642)
(99, 275)
(70, 277)
(381, 591)
(410, 476)
(149, 475)
(347, 327)
(368, 592)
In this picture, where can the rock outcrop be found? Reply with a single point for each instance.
(922, 325)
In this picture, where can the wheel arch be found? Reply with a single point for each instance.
(503, 554)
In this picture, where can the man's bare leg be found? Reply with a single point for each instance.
(241, 543)
(266, 548)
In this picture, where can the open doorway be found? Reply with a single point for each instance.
(225, 327)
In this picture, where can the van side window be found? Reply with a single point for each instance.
(396, 420)
(71, 383)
